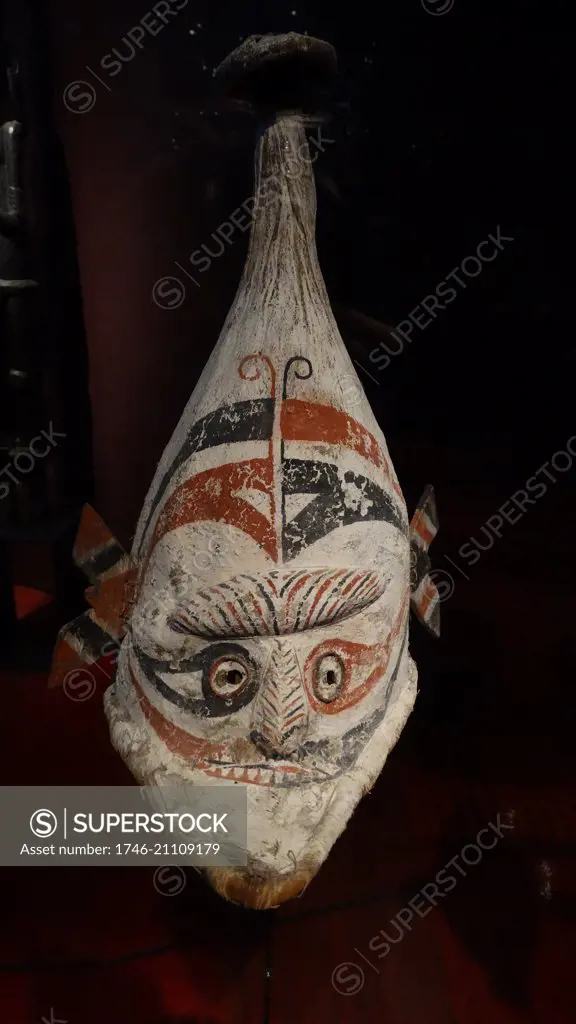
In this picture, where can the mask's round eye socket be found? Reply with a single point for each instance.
(329, 678)
(228, 678)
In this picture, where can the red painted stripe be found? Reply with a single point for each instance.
(321, 590)
(353, 582)
(199, 500)
(293, 590)
(358, 658)
(177, 740)
(232, 610)
(93, 535)
(428, 596)
(418, 525)
(258, 608)
(311, 421)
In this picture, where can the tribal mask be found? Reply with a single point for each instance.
(273, 568)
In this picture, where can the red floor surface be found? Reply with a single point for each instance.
(87, 946)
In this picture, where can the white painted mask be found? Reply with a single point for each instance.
(267, 644)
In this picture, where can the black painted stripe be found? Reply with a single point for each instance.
(178, 626)
(292, 579)
(225, 618)
(91, 637)
(227, 586)
(354, 741)
(182, 620)
(240, 421)
(209, 705)
(303, 608)
(343, 598)
(150, 667)
(334, 614)
(355, 590)
(330, 510)
(427, 504)
(97, 564)
(420, 564)
(269, 603)
(256, 629)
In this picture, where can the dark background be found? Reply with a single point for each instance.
(444, 127)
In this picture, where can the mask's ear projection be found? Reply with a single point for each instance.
(425, 600)
(263, 613)
(111, 573)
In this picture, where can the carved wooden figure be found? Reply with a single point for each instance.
(274, 566)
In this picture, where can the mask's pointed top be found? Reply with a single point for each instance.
(274, 73)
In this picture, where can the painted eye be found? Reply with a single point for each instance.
(228, 677)
(329, 676)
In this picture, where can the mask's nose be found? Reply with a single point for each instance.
(280, 716)
(265, 745)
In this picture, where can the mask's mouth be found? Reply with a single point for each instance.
(279, 773)
(292, 826)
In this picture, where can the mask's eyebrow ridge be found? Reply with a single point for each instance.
(278, 603)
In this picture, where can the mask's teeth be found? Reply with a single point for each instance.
(257, 776)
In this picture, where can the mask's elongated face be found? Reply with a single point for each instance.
(268, 642)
